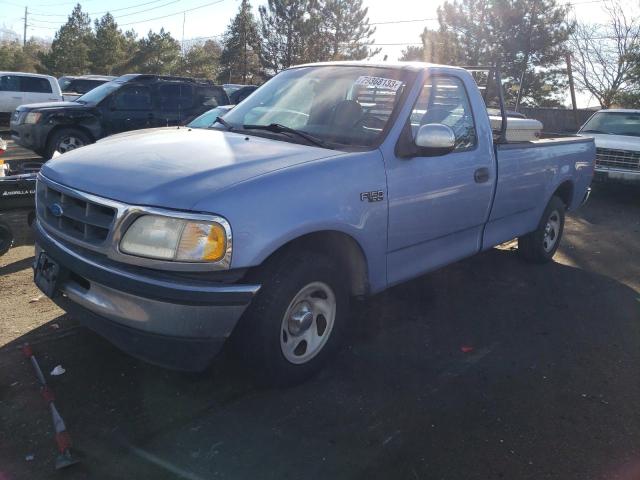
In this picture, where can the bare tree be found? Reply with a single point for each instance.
(603, 55)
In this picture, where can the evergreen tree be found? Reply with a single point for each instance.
(108, 52)
(71, 46)
(157, 53)
(527, 38)
(288, 32)
(202, 60)
(345, 29)
(240, 58)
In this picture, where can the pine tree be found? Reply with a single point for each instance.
(240, 58)
(288, 32)
(70, 49)
(157, 53)
(345, 29)
(527, 38)
(108, 52)
(202, 60)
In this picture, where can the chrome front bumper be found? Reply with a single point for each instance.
(614, 174)
(178, 323)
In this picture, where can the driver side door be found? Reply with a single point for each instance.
(130, 108)
(438, 204)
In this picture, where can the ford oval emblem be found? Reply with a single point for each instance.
(56, 209)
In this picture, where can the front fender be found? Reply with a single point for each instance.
(269, 211)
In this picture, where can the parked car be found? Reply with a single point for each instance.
(130, 102)
(238, 93)
(18, 88)
(617, 136)
(321, 186)
(207, 119)
(74, 87)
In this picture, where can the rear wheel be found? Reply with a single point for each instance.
(297, 319)
(541, 245)
(65, 140)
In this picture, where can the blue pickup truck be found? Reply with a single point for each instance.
(332, 181)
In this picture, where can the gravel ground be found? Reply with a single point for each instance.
(548, 391)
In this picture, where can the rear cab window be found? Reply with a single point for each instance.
(35, 85)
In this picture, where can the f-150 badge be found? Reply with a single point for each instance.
(375, 196)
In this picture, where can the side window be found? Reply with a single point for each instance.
(444, 100)
(211, 96)
(175, 97)
(35, 85)
(9, 83)
(133, 97)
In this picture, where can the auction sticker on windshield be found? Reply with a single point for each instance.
(379, 82)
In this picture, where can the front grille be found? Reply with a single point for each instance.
(622, 159)
(74, 217)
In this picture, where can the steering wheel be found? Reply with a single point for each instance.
(377, 122)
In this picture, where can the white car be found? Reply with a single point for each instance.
(18, 88)
(617, 136)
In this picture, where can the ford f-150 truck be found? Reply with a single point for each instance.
(331, 181)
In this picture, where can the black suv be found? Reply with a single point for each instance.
(129, 102)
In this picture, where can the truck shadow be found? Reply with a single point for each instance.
(465, 342)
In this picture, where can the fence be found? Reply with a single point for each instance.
(557, 120)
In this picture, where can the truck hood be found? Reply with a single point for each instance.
(173, 167)
(617, 142)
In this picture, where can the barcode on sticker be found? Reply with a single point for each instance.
(379, 82)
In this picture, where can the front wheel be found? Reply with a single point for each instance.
(65, 140)
(297, 319)
(540, 245)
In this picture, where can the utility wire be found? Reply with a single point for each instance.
(119, 16)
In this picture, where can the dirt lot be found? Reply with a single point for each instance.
(550, 389)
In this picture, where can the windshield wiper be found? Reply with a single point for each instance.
(279, 128)
(223, 122)
(594, 131)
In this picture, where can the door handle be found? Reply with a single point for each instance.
(17, 98)
(481, 175)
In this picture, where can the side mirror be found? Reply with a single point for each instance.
(435, 139)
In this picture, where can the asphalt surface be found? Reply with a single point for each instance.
(488, 369)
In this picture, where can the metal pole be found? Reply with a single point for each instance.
(24, 36)
(573, 91)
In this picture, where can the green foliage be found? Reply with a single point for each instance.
(527, 38)
(71, 47)
(17, 58)
(345, 29)
(109, 48)
(157, 53)
(287, 30)
(240, 58)
(202, 60)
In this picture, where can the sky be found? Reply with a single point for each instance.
(398, 23)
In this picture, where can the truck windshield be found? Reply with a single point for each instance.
(339, 105)
(99, 93)
(614, 123)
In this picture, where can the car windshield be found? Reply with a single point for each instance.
(99, 93)
(206, 119)
(343, 106)
(614, 123)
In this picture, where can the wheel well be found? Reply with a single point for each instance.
(565, 192)
(57, 128)
(340, 246)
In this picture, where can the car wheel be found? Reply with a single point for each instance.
(65, 140)
(6, 238)
(297, 319)
(540, 245)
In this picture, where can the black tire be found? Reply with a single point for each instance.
(537, 246)
(6, 238)
(260, 334)
(70, 136)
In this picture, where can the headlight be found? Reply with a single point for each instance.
(32, 117)
(175, 239)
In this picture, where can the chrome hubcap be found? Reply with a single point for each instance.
(308, 322)
(69, 143)
(551, 231)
